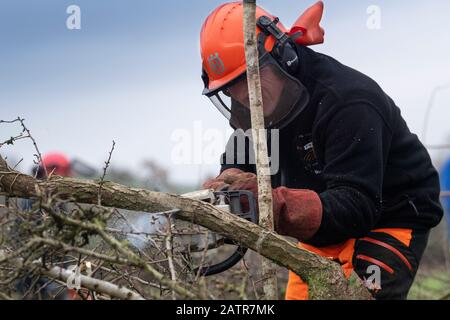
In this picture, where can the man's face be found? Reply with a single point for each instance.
(272, 88)
(283, 95)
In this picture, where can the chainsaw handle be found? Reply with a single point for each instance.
(224, 265)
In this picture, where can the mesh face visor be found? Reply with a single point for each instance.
(284, 97)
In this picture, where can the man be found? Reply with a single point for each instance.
(354, 184)
(52, 164)
(55, 164)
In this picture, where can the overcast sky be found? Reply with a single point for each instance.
(132, 74)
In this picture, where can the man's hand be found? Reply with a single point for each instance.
(223, 180)
(297, 213)
(235, 180)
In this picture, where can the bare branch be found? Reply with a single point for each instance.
(105, 168)
(93, 284)
(38, 153)
(169, 248)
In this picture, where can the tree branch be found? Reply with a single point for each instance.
(325, 278)
(93, 284)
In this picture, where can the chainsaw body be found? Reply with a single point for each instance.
(230, 201)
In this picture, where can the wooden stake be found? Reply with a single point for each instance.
(259, 142)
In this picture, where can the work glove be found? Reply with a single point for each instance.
(297, 213)
(219, 183)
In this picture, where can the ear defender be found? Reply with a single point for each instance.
(289, 58)
(284, 50)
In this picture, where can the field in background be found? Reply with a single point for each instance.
(433, 278)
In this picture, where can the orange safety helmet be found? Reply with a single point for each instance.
(222, 40)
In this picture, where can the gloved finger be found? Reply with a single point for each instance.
(240, 177)
(217, 186)
(230, 173)
(221, 177)
(247, 184)
(210, 182)
(237, 185)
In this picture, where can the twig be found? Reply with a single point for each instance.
(62, 274)
(38, 155)
(202, 260)
(17, 164)
(89, 253)
(11, 140)
(250, 277)
(169, 250)
(4, 296)
(9, 121)
(133, 229)
(31, 287)
(5, 257)
(131, 256)
(105, 168)
(141, 281)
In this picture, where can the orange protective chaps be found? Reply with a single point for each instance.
(389, 249)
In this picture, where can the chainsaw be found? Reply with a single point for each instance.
(230, 201)
(196, 243)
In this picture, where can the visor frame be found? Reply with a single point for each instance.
(297, 106)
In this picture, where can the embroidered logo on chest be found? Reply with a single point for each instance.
(305, 151)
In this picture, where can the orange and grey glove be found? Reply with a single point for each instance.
(297, 213)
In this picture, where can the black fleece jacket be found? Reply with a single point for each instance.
(352, 146)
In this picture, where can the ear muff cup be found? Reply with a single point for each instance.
(284, 50)
(287, 56)
(291, 59)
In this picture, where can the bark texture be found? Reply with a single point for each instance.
(265, 200)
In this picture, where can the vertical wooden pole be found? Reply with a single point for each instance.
(259, 141)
